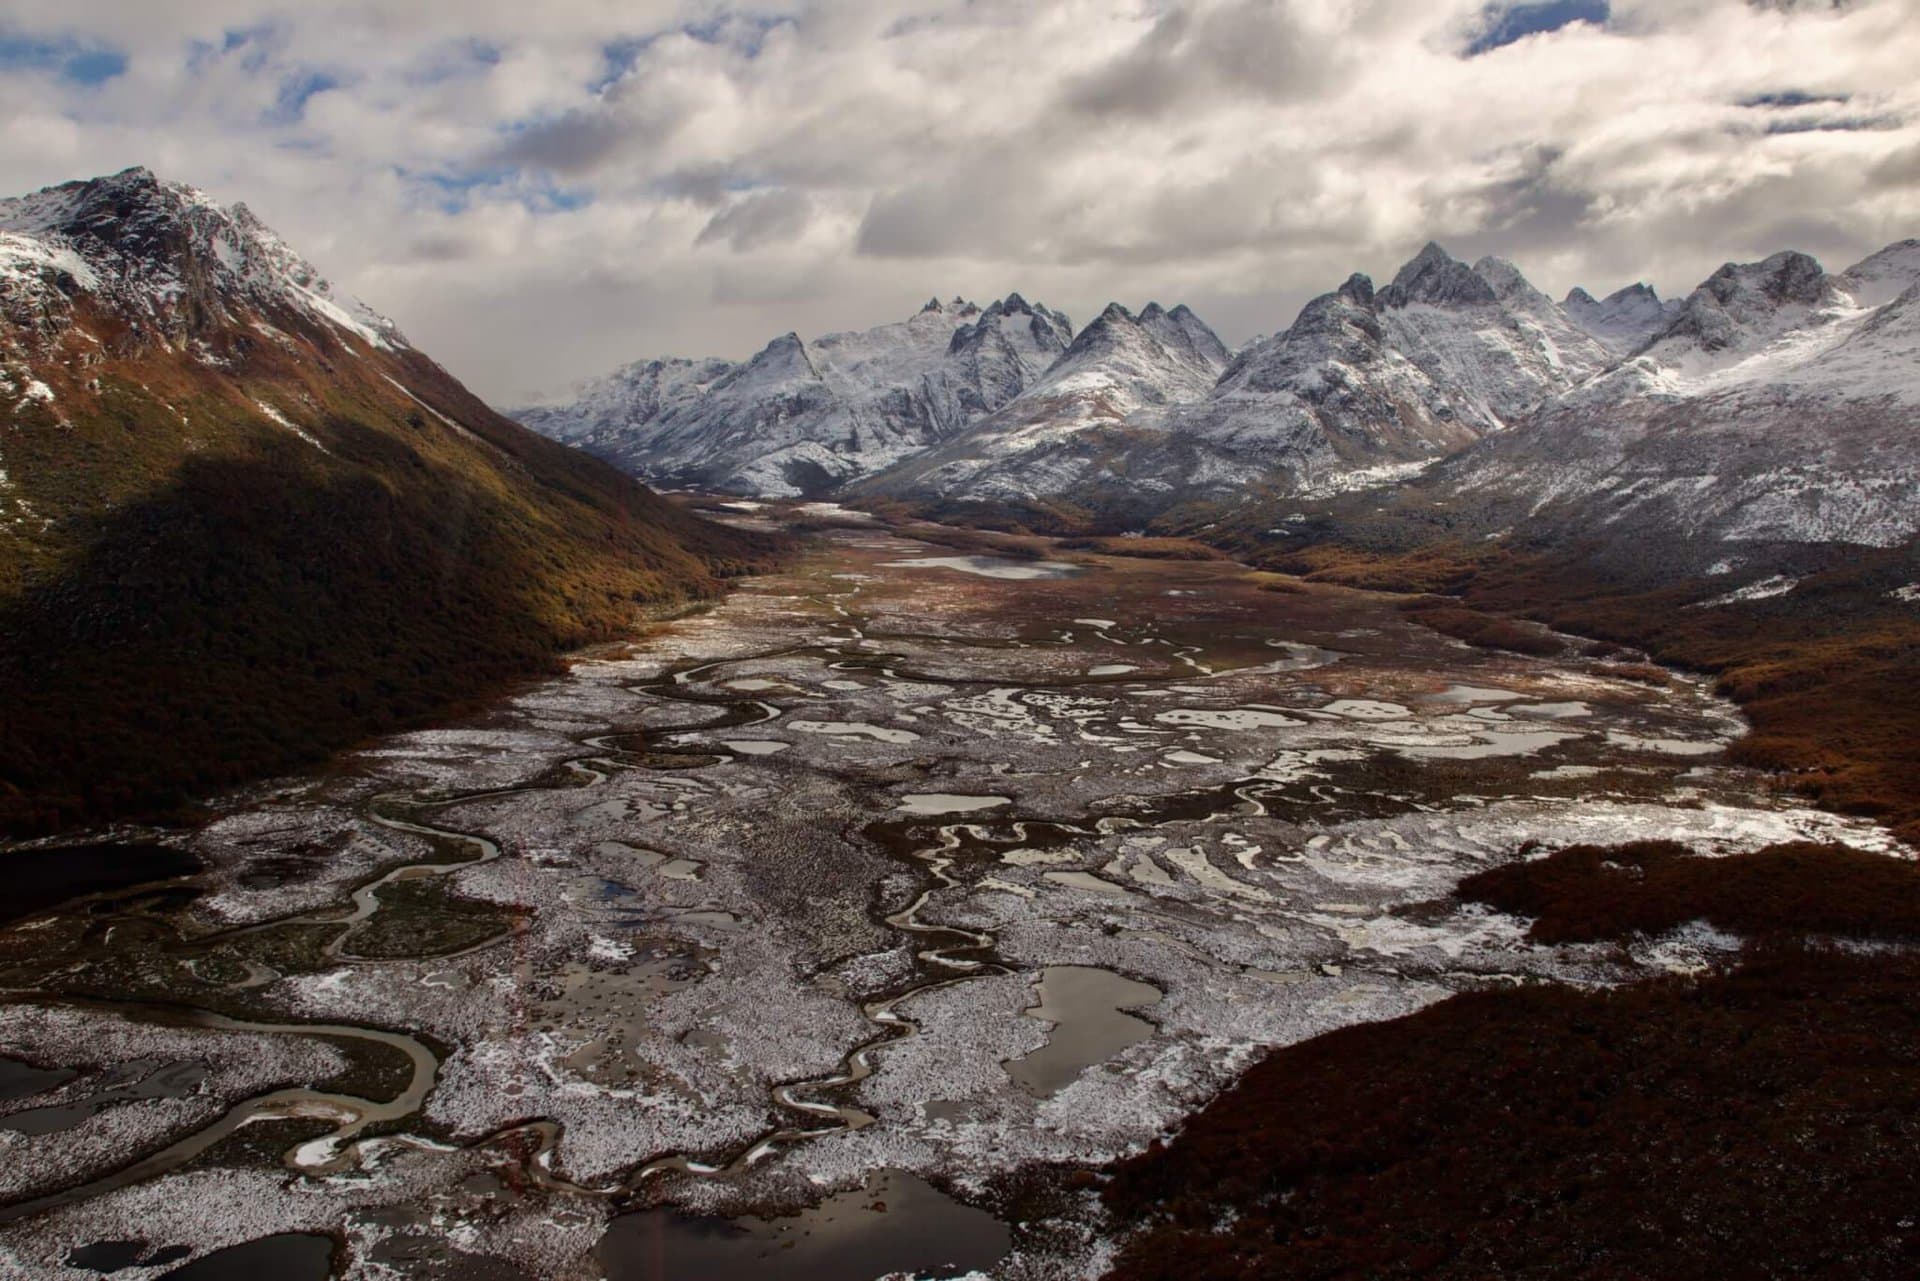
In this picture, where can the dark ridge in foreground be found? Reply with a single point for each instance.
(261, 611)
(1760, 1123)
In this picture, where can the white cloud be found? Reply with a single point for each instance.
(539, 192)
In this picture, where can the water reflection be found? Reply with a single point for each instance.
(895, 1223)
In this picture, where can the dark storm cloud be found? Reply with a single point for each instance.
(762, 218)
(1536, 209)
(1258, 47)
(1785, 99)
(574, 144)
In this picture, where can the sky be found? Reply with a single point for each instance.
(538, 193)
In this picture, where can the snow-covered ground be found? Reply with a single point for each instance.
(1234, 815)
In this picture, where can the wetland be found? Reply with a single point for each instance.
(850, 928)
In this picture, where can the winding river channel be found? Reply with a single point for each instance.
(900, 878)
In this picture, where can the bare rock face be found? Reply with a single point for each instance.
(172, 263)
(1438, 279)
(1744, 306)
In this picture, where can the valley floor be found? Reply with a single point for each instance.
(918, 885)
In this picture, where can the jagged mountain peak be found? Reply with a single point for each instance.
(1786, 277)
(1507, 281)
(1045, 331)
(1744, 306)
(1436, 278)
(1153, 337)
(1357, 289)
(784, 360)
(1181, 330)
(955, 306)
(168, 256)
(807, 415)
(1635, 293)
(1016, 305)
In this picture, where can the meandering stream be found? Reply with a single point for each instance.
(895, 866)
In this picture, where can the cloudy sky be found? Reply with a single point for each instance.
(539, 192)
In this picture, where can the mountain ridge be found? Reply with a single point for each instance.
(243, 522)
(1371, 387)
(802, 417)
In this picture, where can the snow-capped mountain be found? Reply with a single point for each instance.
(1625, 320)
(1062, 434)
(1772, 401)
(1362, 385)
(644, 391)
(169, 260)
(1779, 405)
(1118, 364)
(243, 521)
(1440, 357)
(806, 417)
(1489, 341)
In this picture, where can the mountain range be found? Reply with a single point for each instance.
(806, 417)
(1467, 374)
(1778, 406)
(243, 521)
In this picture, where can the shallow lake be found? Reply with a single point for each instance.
(893, 1223)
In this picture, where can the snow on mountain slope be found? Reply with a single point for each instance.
(164, 255)
(1494, 344)
(1625, 320)
(1780, 405)
(805, 417)
(645, 390)
(1359, 382)
(1441, 356)
(1742, 309)
(1331, 391)
(1881, 277)
(1096, 404)
(1116, 365)
(1774, 401)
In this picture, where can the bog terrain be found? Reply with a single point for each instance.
(1429, 793)
(907, 875)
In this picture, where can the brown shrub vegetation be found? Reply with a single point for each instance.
(207, 611)
(1829, 676)
(1145, 548)
(1590, 892)
(1640, 673)
(1760, 1123)
(1484, 630)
